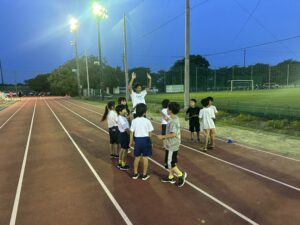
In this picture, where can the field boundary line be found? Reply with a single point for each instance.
(12, 115)
(189, 183)
(98, 178)
(186, 130)
(21, 177)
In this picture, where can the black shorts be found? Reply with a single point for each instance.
(163, 129)
(124, 140)
(113, 135)
(170, 159)
(194, 127)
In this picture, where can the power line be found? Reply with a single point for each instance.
(252, 46)
(170, 20)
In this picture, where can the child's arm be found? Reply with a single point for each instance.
(166, 136)
(150, 81)
(131, 143)
(133, 76)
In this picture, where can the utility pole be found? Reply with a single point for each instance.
(196, 79)
(287, 75)
(77, 65)
(187, 56)
(269, 77)
(244, 58)
(215, 79)
(87, 74)
(125, 60)
(1, 72)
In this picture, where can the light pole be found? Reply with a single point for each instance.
(100, 13)
(73, 28)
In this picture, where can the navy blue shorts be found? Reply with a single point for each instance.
(143, 146)
(113, 135)
(124, 140)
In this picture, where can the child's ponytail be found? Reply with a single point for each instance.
(108, 107)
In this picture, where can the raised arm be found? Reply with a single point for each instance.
(150, 82)
(133, 76)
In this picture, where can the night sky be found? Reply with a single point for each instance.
(34, 35)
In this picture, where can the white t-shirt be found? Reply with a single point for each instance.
(214, 109)
(141, 127)
(137, 98)
(164, 115)
(122, 123)
(207, 115)
(112, 119)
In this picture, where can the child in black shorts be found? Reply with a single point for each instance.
(192, 114)
(123, 126)
(111, 116)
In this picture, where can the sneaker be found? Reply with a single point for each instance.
(116, 156)
(126, 167)
(181, 180)
(135, 176)
(168, 180)
(112, 156)
(145, 177)
(119, 166)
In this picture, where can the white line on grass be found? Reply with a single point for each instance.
(20, 183)
(241, 145)
(189, 183)
(12, 116)
(108, 193)
(235, 165)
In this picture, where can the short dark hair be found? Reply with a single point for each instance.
(141, 109)
(210, 98)
(205, 102)
(121, 99)
(194, 100)
(137, 85)
(174, 107)
(120, 108)
(165, 103)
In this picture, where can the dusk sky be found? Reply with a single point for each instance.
(34, 35)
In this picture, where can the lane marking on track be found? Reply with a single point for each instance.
(186, 130)
(108, 193)
(12, 116)
(20, 182)
(239, 167)
(189, 183)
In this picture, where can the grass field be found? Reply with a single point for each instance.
(274, 104)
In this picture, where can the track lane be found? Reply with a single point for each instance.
(195, 208)
(241, 190)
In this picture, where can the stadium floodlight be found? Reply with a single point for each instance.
(99, 11)
(73, 24)
(73, 28)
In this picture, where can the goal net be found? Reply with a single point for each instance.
(241, 85)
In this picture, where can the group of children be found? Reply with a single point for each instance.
(206, 116)
(126, 134)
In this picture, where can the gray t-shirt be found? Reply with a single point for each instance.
(172, 144)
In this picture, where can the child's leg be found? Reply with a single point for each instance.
(111, 149)
(121, 156)
(206, 134)
(212, 137)
(145, 165)
(198, 135)
(124, 157)
(192, 135)
(136, 164)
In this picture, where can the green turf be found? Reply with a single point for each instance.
(274, 103)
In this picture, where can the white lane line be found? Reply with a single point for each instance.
(12, 116)
(189, 183)
(241, 168)
(241, 145)
(108, 193)
(20, 183)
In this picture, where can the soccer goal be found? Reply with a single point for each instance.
(241, 85)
